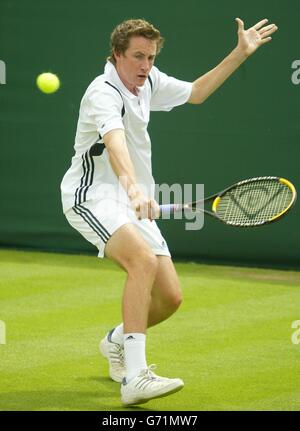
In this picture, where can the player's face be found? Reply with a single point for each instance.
(135, 64)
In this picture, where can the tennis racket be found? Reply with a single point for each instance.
(248, 203)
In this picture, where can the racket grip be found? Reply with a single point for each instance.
(167, 209)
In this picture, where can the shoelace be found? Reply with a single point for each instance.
(147, 377)
(117, 354)
(148, 372)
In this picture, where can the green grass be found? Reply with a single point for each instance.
(230, 341)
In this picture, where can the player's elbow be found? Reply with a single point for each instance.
(197, 98)
(198, 94)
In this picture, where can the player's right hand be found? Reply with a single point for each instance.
(145, 207)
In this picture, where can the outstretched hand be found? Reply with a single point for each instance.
(256, 36)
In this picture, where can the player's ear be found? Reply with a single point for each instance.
(116, 54)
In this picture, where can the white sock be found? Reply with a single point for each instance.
(135, 354)
(118, 335)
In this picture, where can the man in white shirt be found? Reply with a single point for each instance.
(113, 148)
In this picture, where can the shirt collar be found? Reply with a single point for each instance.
(111, 72)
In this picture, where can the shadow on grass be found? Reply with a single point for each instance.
(107, 398)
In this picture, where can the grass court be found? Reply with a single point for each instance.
(231, 341)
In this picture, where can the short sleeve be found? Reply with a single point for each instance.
(168, 92)
(105, 106)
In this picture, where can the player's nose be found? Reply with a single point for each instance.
(146, 66)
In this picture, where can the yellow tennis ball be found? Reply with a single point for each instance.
(48, 82)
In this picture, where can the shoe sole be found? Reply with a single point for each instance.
(144, 400)
(104, 354)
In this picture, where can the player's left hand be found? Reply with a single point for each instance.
(256, 36)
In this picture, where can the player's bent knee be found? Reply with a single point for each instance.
(144, 262)
(176, 300)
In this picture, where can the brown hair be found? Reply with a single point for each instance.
(120, 37)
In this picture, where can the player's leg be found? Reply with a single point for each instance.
(127, 247)
(166, 295)
(165, 298)
(129, 250)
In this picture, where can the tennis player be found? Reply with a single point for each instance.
(108, 192)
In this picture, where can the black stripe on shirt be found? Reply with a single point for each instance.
(90, 175)
(82, 180)
(123, 108)
(87, 178)
(150, 82)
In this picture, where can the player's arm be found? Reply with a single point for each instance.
(248, 42)
(115, 143)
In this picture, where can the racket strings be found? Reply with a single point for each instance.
(254, 203)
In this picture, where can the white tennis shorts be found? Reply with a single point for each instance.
(97, 221)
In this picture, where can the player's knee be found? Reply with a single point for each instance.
(148, 263)
(144, 262)
(176, 300)
(173, 300)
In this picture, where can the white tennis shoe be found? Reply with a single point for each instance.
(147, 386)
(114, 353)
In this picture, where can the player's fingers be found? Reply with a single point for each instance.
(144, 210)
(154, 210)
(137, 209)
(267, 39)
(136, 205)
(150, 210)
(271, 31)
(266, 28)
(240, 24)
(260, 24)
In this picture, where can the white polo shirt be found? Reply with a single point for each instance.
(107, 105)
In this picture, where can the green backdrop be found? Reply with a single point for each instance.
(250, 127)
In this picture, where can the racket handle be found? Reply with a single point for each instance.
(167, 209)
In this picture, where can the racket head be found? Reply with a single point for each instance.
(255, 201)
